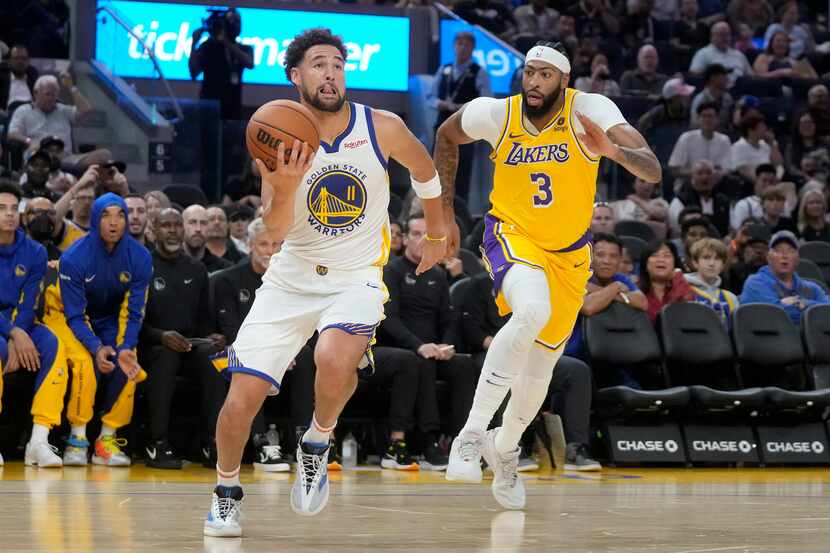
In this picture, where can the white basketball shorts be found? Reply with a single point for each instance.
(295, 299)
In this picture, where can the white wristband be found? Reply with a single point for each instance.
(428, 189)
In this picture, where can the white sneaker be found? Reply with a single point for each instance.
(465, 457)
(1, 460)
(508, 488)
(75, 454)
(108, 452)
(270, 459)
(42, 454)
(310, 492)
(222, 520)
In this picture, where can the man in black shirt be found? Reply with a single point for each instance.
(177, 315)
(234, 291)
(195, 228)
(217, 238)
(222, 59)
(37, 176)
(418, 317)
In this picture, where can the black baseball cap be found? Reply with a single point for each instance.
(52, 141)
(240, 211)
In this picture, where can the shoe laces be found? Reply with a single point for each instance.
(225, 506)
(509, 466)
(310, 469)
(112, 444)
(470, 448)
(272, 452)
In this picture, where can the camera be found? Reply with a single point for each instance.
(217, 22)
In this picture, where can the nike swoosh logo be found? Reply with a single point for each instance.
(375, 286)
(516, 135)
(151, 453)
(188, 280)
(580, 265)
(89, 279)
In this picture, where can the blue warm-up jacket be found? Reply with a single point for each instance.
(22, 266)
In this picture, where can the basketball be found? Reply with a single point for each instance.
(280, 121)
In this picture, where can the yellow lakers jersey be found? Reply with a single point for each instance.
(544, 184)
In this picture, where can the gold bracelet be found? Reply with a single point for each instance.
(429, 238)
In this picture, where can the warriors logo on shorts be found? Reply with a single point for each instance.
(336, 202)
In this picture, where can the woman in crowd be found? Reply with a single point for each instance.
(776, 61)
(804, 141)
(661, 279)
(812, 217)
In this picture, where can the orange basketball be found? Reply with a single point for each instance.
(280, 121)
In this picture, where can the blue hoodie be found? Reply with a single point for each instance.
(763, 287)
(104, 293)
(22, 266)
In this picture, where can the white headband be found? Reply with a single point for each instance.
(551, 56)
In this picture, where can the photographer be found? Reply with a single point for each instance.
(222, 59)
(600, 81)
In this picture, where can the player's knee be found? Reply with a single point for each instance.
(332, 363)
(533, 314)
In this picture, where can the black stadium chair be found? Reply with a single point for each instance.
(472, 263)
(767, 345)
(638, 229)
(807, 268)
(819, 253)
(761, 87)
(815, 329)
(634, 245)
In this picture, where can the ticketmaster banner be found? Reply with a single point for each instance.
(488, 53)
(378, 46)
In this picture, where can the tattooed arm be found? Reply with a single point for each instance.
(625, 145)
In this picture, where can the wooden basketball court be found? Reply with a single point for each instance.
(74, 510)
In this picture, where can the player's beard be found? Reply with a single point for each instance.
(544, 107)
(314, 101)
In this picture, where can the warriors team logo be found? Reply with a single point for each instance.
(124, 277)
(20, 271)
(159, 284)
(336, 199)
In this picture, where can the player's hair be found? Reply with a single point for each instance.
(295, 52)
(709, 245)
(558, 46)
(607, 237)
(9, 187)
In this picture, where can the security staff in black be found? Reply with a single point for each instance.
(177, 333)
(234, 291)
(418, 317)
(454, 85)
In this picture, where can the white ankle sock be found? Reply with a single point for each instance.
(228, 479)
(79, 431)
(40, 433)
(317, 434)
(106, 431)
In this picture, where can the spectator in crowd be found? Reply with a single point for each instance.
(804, 140)
(42, 221)
(689, 33)
(818, 104)
(177, 312)
(673, 109)
(103, 286)
(45, 116)
(661, 278)
(709, 258)
(691, 232)
(234, 291)
(628, 267)
(493, 16)
(779, 284)
(700, 192)
(566, 31)
(600, 81)
(645, 80)
(34, 185)
(17, 80)
(156, 200)
(603, 218)
(396, 238)
(594, 19)
(454, 85)
(702, 144)
(757, 14)
(80, 204)
(720, 51)
(777, 61)
(571, 383)
(418, 318)
(222, 59)
(536, 20)
(745, 42)
(800, 38)
(59, 181)
(640, 26)
(773, 199)
(137, 212)
(643, 206)
(25, 344)
(239, 217)
(195, 228)
(756, 146)
(750, 206)
(217, 237)
(716, 91)
(751, 255)
(812, 217)
(245, 188)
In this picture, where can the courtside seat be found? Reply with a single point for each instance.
(748, 400)
(814, 401)
(617, 401)
(815, 330)
(768, 346)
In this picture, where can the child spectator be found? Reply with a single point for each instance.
(709, 256)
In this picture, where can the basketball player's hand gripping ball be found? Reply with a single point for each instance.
(288, 172)
(594, 138)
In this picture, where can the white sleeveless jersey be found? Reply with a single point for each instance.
(341, 216)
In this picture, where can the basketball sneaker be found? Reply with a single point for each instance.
(397, 457)
(42, 454)
(434, 458)
(108, 452)
(577, 458)
(1, 460)
(465, 457)
(75, 454)
(270, 459)
(508, 488)
(160, 456)
(222, 520)
(310, 491)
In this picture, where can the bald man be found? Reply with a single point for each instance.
(195, 239)
(720, 51)
(645, 80)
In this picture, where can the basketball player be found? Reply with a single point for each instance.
(547, 143)
(330, 208)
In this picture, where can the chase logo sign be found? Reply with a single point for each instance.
(377, 46)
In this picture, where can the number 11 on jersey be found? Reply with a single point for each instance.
(544, 195)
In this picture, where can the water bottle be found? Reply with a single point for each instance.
(272, 436)
(349, 451)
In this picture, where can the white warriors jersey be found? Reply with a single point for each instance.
(341, 216)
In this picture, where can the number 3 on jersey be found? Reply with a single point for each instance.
(544, 196)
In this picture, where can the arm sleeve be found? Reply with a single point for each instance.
(393, 325)
(756, 291)
(74, 305)
(228, 319)
(484, 118)
(5, 326)
(27, 301)
(132, 307)
(600, 109)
